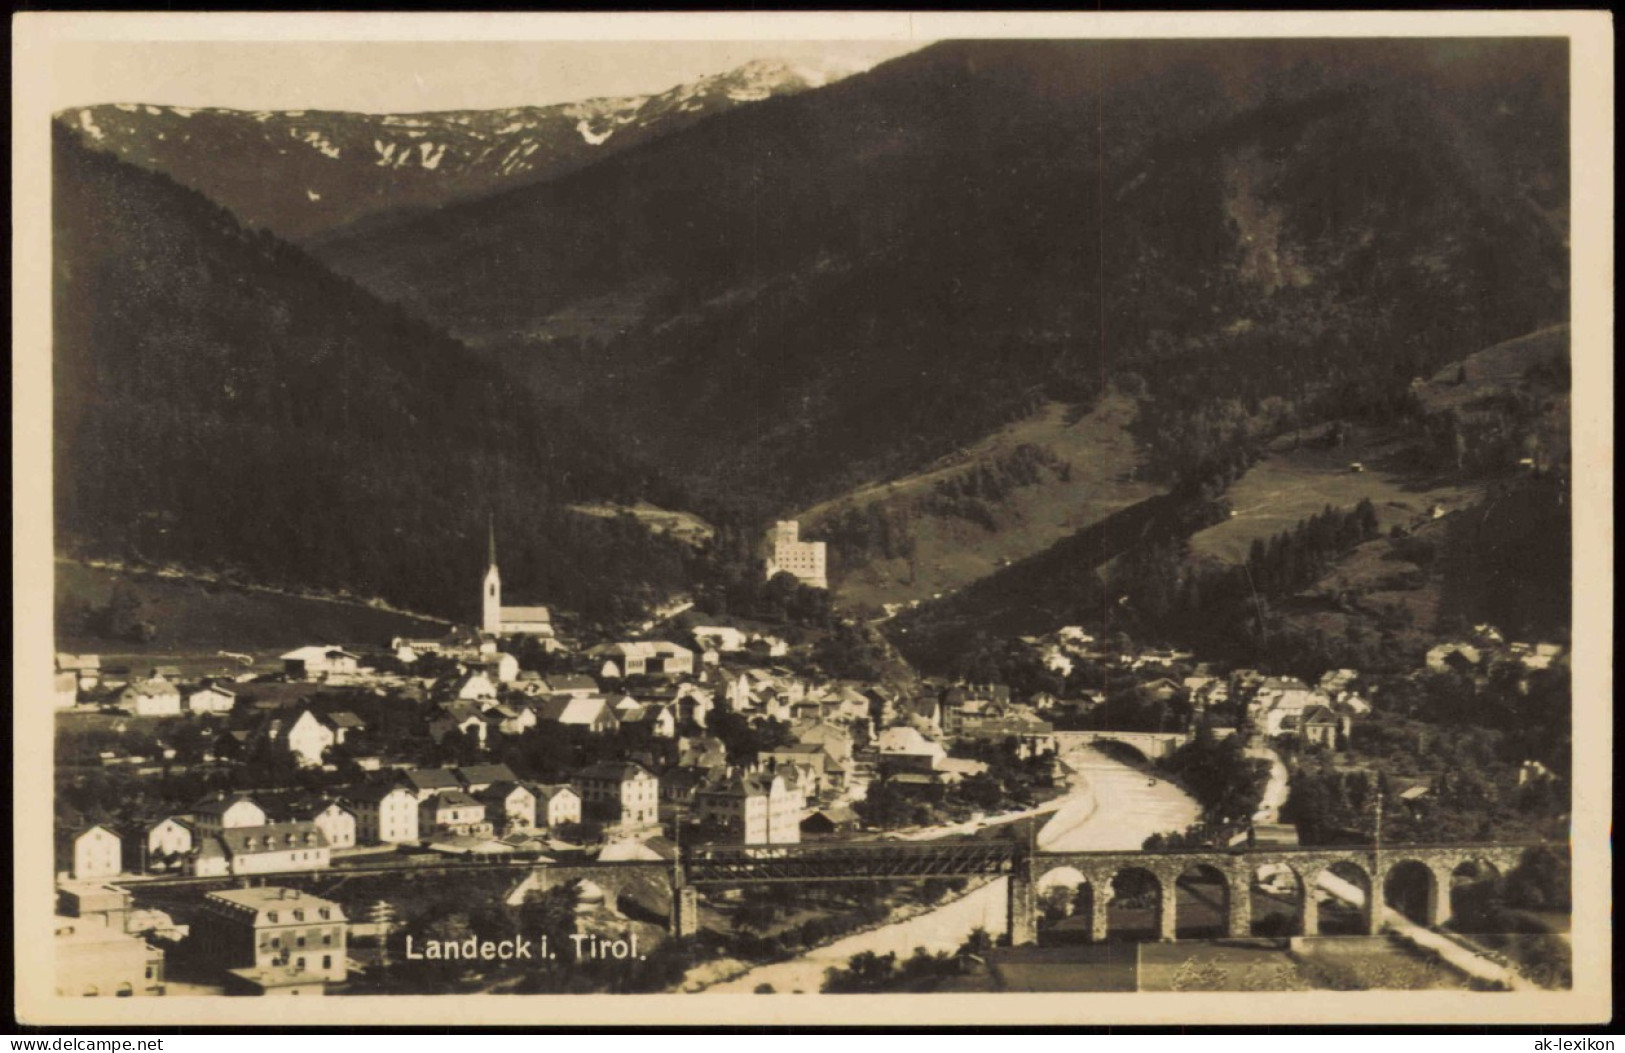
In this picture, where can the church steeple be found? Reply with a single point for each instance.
(491, 591)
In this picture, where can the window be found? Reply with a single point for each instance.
(327, 939)
(276, 941)
(327, 961)
(301, 941)
(299, 964)
(270, 916)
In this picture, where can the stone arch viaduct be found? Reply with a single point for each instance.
(1152, 745)
(1435, 863)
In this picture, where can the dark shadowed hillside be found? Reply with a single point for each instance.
(223, 401)
(807, 295)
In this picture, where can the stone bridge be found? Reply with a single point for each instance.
(1153, 745)
(1236, 870)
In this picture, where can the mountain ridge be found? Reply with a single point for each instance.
(308, 174)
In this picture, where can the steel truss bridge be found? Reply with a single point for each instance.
(849, 861)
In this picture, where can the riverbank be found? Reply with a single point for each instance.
(1112, 805)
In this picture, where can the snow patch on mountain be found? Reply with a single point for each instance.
(88, 123)
(386, 152)
(180, 111)
(587, 133)
(313, 195)
(317, 141)
(431, 156)
(126, 107)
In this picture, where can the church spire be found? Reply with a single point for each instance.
(491, 530)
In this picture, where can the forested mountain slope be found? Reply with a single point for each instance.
(223, 401)
(827, 290)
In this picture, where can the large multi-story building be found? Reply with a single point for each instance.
(385, 814)
(273, 940)
(803, 560)
(266, 849)
(97, 956)
(758, 809)
(623, 792)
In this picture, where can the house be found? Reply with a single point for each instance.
(757, 809)
(167, 843)
(905, 749)
(556, 804)
(724, 638)
(384, 813)
(1319, 726)
(65, 689)
(212, 698)
(802, 560)
(474, 778)
(702, 752)
(830, 821)
(273, 847)
(150, 697)
(694, 705)
(622, 792)
(620, 660)
(270, 940)
(513, 719)
(660, 721)
(1161, 689)
(97, 949)
(97, 853)
(459, 719)
(1441, 658)
(510, 806)
(574, 684)
(501, 668)
(337, 822)
(319, 662)
(427, 782)
(472, 686)
(452, 812)
(593, 713)
(310, 737)
(678, 785)
(86, 668)
(226, 812)
(669, 659)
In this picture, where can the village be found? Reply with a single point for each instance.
(510, 742)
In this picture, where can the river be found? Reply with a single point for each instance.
(1112, 805)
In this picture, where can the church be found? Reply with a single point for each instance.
(497, 620)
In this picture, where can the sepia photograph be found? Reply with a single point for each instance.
(1076, 519)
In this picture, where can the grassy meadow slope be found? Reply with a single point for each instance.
(1090, 470)
(194, 618)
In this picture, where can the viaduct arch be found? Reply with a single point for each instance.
(1236, 869)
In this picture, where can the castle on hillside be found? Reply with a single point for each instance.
(498, 620)
(804, 560)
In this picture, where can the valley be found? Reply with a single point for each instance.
(865, 477)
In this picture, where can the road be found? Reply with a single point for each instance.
(1451, 952)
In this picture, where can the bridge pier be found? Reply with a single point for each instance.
(1439, 896)
(1100, 889)
(1167, 908)
(1022, 896)
(1308, 911)
(1239, 905)
(685, 911)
